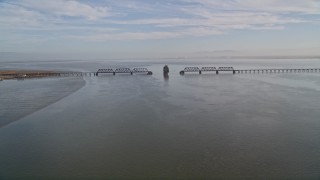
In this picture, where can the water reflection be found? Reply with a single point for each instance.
(166, 76)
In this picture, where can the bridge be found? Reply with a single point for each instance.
(124, 71)
(245, 71)
(207, 69)
(25, 74)
(41, 74)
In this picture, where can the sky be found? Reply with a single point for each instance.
(160, 28)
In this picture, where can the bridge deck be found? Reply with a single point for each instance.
(124, 70)
(234, 71)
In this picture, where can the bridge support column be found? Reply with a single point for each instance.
(200, 72)
(234, 72)
(217, 72)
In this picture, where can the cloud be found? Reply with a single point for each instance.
(12, 15)
(276, 6)
(149, 35)
(223, 20)
(126, 20)
(69, 8)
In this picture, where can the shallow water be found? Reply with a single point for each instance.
(208, 126)
(19, 99)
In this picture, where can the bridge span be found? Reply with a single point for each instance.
(246, 71)
(105, 71)
(124, 71)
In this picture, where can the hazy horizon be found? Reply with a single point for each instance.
(30, 57)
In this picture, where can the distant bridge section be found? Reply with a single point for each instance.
(141, 70)
(244, 71)
(123, 71)
(107, 71)
(191, 69)
(225, 69)
(207, 69)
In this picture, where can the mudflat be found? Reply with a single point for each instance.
(12, 74)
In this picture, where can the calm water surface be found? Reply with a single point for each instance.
(226, 126)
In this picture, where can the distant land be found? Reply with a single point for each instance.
(223, 54)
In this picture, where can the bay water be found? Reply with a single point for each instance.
(155, 127)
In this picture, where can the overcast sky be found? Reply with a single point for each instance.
(160, 28)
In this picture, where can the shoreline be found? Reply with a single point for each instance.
(61, 88)
(16, 74)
